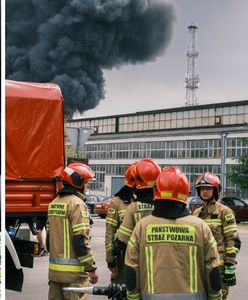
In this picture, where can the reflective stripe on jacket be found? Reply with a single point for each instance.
(114, 218)
(172, 259)
(135, 212)
(68, 216)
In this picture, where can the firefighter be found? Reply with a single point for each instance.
(71, 262)
(146, 172)
(172, 254)
(116, 212)
(222, 223)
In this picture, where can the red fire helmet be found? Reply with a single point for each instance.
(146, 172)
(129, 175)
(208, 179)
(77, 174)
(172, 184)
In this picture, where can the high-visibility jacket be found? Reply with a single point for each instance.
(135, 212)
(115, 215)
(68, 217)
(222, 223)
(172, 259)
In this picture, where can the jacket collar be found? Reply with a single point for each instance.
(169, 209)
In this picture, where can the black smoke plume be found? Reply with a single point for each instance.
(70, 42)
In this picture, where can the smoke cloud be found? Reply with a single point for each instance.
(70, 42)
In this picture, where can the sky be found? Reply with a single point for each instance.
(222, 63)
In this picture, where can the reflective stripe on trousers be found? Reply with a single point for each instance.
(183, 296)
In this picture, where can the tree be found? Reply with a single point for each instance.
(239, 172)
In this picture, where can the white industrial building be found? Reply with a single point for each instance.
(196, 138)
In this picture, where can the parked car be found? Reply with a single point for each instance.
(91, 200)
(194, 203)
(239, 206)
(101, 208)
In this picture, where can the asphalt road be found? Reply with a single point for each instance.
(36, 282)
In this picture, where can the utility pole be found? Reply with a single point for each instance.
(192, 78)
(223, 136)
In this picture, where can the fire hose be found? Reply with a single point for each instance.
(113, 291)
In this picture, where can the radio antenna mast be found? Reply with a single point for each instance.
(192, 78)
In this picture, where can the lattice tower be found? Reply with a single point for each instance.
(192, 78)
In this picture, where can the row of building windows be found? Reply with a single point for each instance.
(153, 124)
(236, 114)
(210, 148)
(191, 171)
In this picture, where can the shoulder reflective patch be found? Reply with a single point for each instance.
(170, 233)
(111, 210)
(229, 217)
(57, 209)
(85, 214)
(144, 206)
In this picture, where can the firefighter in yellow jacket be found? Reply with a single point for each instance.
(71, 262)
(222, 223)
(171, 254)
(146, 172)
(116, 212)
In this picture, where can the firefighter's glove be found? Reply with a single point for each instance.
(119, 248)
(229, 275)
(111, 265)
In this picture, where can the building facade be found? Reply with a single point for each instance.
(195, 138)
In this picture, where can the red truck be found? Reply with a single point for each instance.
(34, 126)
